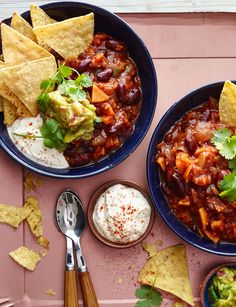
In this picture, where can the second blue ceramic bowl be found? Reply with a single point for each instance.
(177, 110)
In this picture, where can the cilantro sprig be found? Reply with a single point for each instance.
(148, 297)
(225, 142)
(52, 134)
(72, 88)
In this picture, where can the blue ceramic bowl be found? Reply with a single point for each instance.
(207, 283)
(177, 110)
(107, 22)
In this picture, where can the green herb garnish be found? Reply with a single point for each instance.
(52, 134)
(225, 142)
(67, 87)
(148, 297)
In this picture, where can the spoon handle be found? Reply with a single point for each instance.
(89, 295)
(71, 296)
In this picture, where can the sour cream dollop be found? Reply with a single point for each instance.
(33, 148)
(122, 214)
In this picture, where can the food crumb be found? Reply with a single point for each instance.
(120, 280)
(51, 292)
(158, 242)
(43, 253)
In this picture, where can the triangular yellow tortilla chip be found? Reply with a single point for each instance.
(40, 18)
(1, 104)
(22, 26)
(227, 104)
(26, 257)
(98, 95)
(24, 80)
(168, 271)
(9, 112)
(69, 37)
(18, 48)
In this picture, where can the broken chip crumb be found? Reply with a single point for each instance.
(178, 304)
(32, 182)
(150, 249)
(26, 257)
(51, 292)
(43, 242)
(43, 253)
(120, 280)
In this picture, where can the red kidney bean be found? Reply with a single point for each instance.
(190, 142)
(84, 63)
(134, 96)
(105, 75)
(115, 45)
(121, 92)
(176, 183)
(166, 189)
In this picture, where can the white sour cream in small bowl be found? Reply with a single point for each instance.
(120, 214)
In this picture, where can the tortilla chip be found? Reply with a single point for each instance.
(43, 242)
(24, 80)
(6, 93)
(40, 18)
(32, 182)
(70, 37)
(18, 48)
(26, 257)
(34, 219)
(22, 111)
(1, 57)
(227, 104)
(1, 104)
(9, 112)
(98, 95)
(168, 271)
(22, 26)
(13, 215)
(150, 249)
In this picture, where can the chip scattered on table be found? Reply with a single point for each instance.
(22, 26)
(227, 104)
(24, 80)
(13, 215)
(168, 271)
(18, 48)
(35, 217)
(51, 292)
(70, 37)
(150, 249)
(32, 182)
(26, 257)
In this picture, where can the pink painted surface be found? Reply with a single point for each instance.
(114, 272)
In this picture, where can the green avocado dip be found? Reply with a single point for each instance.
(222, 292)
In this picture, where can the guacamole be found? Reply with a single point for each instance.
(222, 292)
(77, 117)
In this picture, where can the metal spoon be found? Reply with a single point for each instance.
(71, 219)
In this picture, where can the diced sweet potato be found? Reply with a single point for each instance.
(212, 236)
(204, 217)
(107, 120)
(161, 162)
(100, 152)
(217, 225)
(98, 95)
(184, 201)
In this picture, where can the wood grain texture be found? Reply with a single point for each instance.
(71, 293)
(133, 6)
(88, 292)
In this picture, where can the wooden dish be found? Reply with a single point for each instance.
(92, 204)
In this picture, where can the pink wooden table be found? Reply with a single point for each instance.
(189, 50)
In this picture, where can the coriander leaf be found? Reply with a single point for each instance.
(232, 164)
(50, 126)
(83, 80)
(224, 143)
(127, 68)
(155, 297)
(143, 303)
(43, 100)
(66, 71)
(48, 85)
(48, 143)
(142, 291)
(227, 187)
(58, 78)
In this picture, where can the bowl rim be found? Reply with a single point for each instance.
(72, 172)
(91, 205)
(178, 227)
(205, 283)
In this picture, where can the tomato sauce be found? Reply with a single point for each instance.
(191, 168)
(108, 64)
